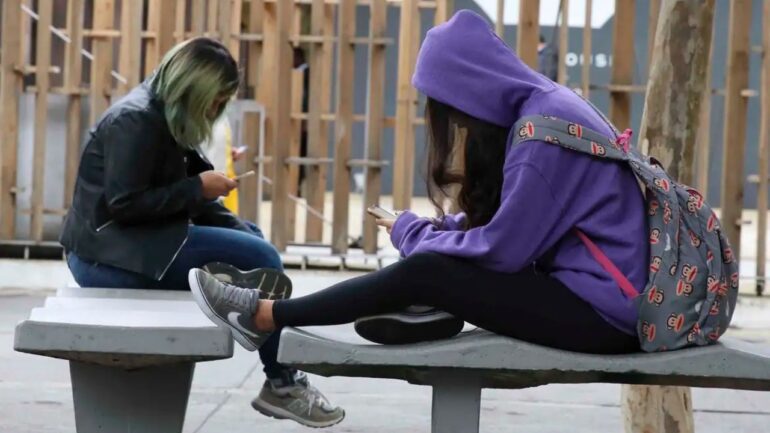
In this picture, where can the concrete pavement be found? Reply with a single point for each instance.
(35, 393)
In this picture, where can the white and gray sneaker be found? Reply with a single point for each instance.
(299, 401)
(234, 307)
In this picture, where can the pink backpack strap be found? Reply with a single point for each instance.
(608, 266)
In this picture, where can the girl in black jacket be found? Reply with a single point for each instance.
(146, 208)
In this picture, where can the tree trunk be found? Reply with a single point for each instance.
(669, 129)
(676, 84)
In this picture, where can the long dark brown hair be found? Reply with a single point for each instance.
(482, 179)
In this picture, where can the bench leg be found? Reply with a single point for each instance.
(147, 400)
(456, 405)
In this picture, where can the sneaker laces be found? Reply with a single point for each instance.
(314, 398)
(238, 297)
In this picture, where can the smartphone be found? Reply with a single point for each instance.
(242, 175)
(380, 213)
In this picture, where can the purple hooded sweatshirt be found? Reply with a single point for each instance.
(547, 192)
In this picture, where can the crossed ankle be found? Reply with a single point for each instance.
(263, 317)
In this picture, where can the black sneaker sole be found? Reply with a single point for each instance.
(251, 279)
(400, 328)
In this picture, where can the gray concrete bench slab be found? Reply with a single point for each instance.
(132, 354)
(90, 292)
(121, 304)
(460, 367)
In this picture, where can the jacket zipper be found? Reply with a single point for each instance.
(103, 226)
(184, 241)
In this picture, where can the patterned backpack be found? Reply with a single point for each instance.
(692, 287)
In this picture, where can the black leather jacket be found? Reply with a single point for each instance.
(137, 191)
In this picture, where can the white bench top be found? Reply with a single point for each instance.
(149, 328)
(501, 362)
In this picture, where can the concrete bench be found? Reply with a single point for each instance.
(460, 367)
(132, 354)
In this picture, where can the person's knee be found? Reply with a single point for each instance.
(272, 258)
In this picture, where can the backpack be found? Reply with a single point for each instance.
(692, 287)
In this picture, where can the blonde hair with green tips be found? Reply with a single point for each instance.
(189, 80)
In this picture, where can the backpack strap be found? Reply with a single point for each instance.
(571, 136)
(608, 266)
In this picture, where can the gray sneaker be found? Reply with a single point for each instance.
(300, 402)
(234, 307)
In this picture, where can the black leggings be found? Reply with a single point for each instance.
(528, 306)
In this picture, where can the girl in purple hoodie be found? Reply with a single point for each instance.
(511, 262)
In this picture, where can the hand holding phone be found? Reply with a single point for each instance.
(242, 175)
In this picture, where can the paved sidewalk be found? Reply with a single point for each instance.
(35, 393)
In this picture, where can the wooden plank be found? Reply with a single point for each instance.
(375, 112)
(231, 27)
(26, 31)
(622, 62)
(181, 22)
(162, 20)
(316, 131)
(652, 27)
(587, 50)
(297, 90)
(249, 188)
(212, 18)
(281, 112)
(265, 90)
(10, 89)
(403, 148)
(101, 66)
(499, 19)
(154, 14)
(222, 25)
(764, 152)
(130, 45)
(563, 42)
(343, 127)
(73, 73)
(42, 81)
(198, 17)
(734, 138)
(444, 10)
(528, 32)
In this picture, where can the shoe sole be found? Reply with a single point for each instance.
(271, 411)
(281, 284)
(399, 328)
(251, 279)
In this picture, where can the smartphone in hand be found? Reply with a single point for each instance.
(247, 174)
(380, 213)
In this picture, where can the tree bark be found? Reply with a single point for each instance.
(676, 84)
(671, 119)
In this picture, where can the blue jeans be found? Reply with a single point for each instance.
(204, 245)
